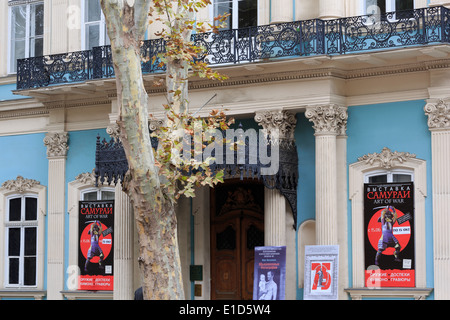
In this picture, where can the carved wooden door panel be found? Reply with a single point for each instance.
(236, 228)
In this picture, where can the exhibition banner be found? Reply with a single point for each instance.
(389, 234)
(269, 276)
(321, 272)
(95, 256)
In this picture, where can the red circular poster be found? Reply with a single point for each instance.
(105, 243)
(402, 233)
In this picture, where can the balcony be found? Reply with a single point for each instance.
(307, 38)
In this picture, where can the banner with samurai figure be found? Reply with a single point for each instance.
(95, 256)
(389, 234)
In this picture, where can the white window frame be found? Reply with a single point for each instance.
(21, 224)
(10, 57)
(390, 6)
(235, 13)
(388, 173)
(98, 190)
(358, 173)
(40, 192)
(102, 27)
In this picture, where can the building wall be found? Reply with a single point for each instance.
(383, 111)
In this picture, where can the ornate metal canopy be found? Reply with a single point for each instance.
(111, 165)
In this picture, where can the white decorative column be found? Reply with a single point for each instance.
(123, 238)
(438, 112)
(56, 143)
(329, 122)
(331, 9)
(274, 202)
(123, 246)
(281, 11)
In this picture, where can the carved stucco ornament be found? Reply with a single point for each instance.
(20, 184)
(86, 178)
(328, 119)
(438, 112)
(386, 158)
(279, 122)
(56, 143)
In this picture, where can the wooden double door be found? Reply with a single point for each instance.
(237, 227)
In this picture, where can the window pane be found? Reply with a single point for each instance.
(92, 35)
(29, 277)
(377, 179)
(248, 13)
(224, 6)
(401, 178)
(18, 21)
(90, 195)
(30, 241)
(36, 47)
(13, 242)
(93, 10)
(375, 6)
(15, 207)
(13, 271)
(107, 195)
(404, 5)
(30, 209)
(37, 20)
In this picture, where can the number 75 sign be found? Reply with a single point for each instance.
(321, 272)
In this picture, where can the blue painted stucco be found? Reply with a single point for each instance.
(6, 92)
(24, 155)
(80, 159)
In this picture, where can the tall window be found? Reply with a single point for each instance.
(94, 33)
(243, 13)
(26, 31)
(383, 6)
(21, 237)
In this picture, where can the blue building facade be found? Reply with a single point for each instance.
(363, 98)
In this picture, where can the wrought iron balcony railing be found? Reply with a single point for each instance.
(285, 40)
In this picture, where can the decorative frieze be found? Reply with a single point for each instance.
(328, 119)
(438, 112)
(20, 184)
(56, 143)
(386, 159)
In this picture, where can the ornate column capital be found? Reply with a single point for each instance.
(328, 119)
(56, 143)
(277, 120)
(438, 112)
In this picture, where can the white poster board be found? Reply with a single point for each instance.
(321, 273)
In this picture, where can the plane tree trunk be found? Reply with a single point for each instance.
(159, 260)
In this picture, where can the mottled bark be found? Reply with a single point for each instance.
(155, 216)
